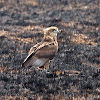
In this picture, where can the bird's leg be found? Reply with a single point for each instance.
(40, 68)
(46, 66)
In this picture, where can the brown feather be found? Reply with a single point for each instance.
(42, 52)
(48, 51)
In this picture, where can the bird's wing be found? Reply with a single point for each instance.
(44, 51)
(47, 51)
(34, 48)
(31, 52)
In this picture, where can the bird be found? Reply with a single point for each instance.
(43, 52)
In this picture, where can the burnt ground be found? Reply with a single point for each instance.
(74, 73)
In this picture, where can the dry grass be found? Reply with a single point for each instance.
(74, 33)
(31, 2)
(82, 39)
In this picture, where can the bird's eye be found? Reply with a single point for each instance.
(54, 30)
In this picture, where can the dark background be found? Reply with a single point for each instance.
(75, 70)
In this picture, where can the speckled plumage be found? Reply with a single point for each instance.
(40, 54)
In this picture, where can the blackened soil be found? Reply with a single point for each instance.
(74, 73)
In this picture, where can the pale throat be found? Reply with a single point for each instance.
(50, 38)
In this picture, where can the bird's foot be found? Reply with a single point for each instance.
(42, 69)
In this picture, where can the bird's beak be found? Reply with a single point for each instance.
(59, 31)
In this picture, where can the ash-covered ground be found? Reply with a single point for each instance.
(74, 73)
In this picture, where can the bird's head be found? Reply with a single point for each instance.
(51, 31)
